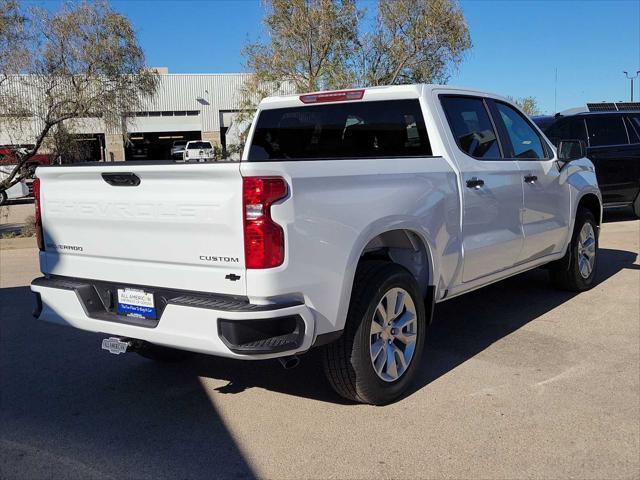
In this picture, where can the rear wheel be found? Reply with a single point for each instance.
(3, 198)
(583, 255)
(376, 358)
(636, 206)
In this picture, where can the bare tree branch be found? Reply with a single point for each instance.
(80, 62)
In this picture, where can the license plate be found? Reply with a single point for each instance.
(136, 303)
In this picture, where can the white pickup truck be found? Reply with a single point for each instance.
(198, 151)
(349, 215)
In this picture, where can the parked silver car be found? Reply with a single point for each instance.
(177, 149)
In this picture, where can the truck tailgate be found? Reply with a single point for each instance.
(180, 227)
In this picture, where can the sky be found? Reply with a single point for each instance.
(518, 45)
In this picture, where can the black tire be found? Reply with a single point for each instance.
(3, 198)
(162, 354)
(569, 278)
(636, 206)
(347, 361)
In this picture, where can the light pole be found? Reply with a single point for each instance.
(631, 78)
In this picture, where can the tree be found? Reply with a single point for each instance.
(316, 44)
(59, 68)
(413, 41)
(310, 43)
(528, 105)
(320, 44)
(13, 54)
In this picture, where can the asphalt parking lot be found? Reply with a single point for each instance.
(520, 381)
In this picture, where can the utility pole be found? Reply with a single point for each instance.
(555, 94)
(631, 78)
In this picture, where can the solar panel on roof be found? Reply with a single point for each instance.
(613, 106)
(628, 105)
(602, 107)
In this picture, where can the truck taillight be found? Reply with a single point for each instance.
(38, 214)
(263, 238)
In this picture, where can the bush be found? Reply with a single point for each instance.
(28, 229)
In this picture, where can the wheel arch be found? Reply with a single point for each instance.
(398, 244)
(405, 247)
(591, 202)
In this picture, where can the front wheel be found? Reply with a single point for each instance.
(377, 356)
(3, 198)
(583, 255)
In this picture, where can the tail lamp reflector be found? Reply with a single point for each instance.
(38, 214)
(263, 238)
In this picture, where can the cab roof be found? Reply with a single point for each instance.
(390, 92)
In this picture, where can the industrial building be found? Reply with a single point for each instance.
(184, 107)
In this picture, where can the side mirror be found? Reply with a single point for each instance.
(571, 150)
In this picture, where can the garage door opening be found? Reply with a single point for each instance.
(156, 145)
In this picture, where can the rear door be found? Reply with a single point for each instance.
(614, 157)
(547, 200)
(176, 226)
(491, 189)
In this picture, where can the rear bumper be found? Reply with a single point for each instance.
(195, 321)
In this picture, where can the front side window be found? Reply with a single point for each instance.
(606, 130)
(525, 141)
(471, 126)
(390, 128)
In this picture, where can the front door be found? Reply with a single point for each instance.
(491, 189)
(547, 200)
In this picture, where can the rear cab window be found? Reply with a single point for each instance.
(198, 145)
(354, 129)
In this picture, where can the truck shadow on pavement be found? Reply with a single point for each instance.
(68, 410)
(462, 328)
(465, 326)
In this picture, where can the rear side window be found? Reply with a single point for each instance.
(633, 127)
(571, 128)
(471, 126)
(393, 128)
(605, 130)
(525, 141)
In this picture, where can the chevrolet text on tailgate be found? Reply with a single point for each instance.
(349, 216)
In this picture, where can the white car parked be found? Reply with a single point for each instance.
(349, 216)
(17, 191)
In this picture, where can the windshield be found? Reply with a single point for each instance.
(393, 128)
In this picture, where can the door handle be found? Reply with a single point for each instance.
(475, 182)
(530, 178)
(121, 179)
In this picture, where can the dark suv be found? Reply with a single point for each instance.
(612, 138)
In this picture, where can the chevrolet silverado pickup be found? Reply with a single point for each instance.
(349, 215)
